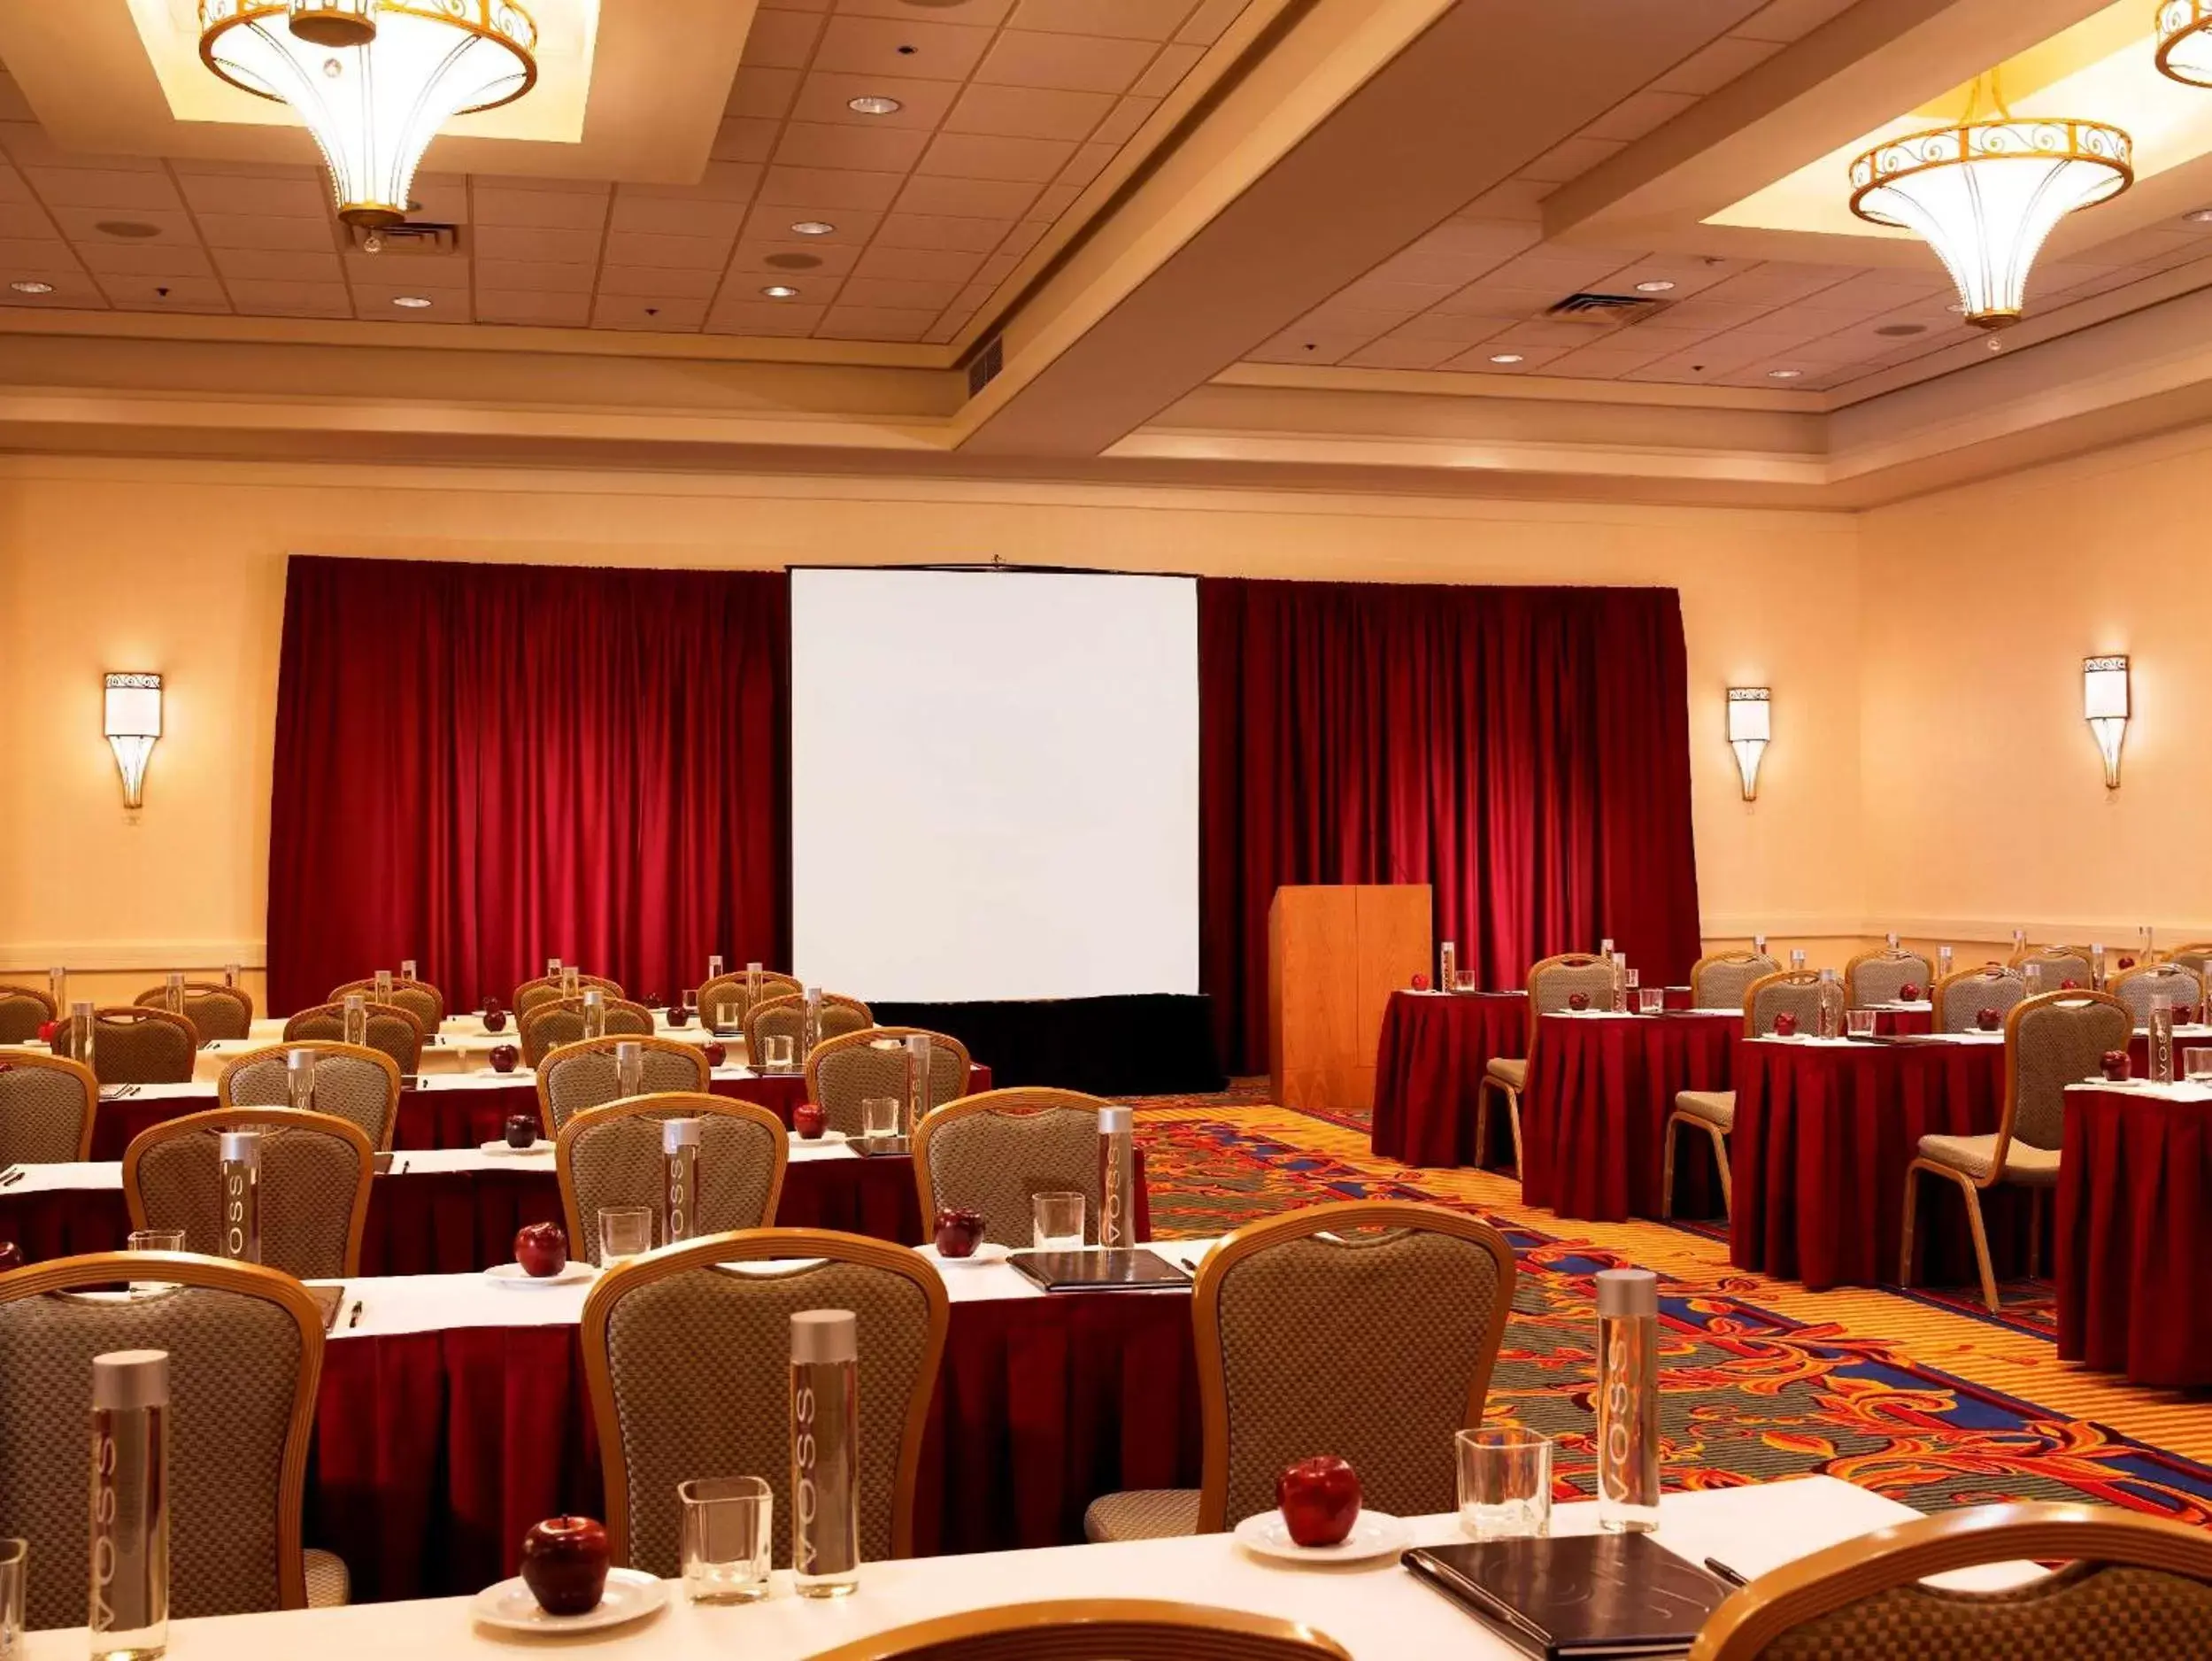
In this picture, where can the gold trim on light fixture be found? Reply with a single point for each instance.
(2184, 28)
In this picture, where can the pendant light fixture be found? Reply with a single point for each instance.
(374, 79)
(2184, 41)
(1985, 192)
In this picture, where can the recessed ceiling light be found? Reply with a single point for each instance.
(780, 291)
(1784, 375)
(412, 302)
(793, 261)
(868, 104)
(32, 288)
(1656, 286)
(133, 229)
(1899, 330)
(813, 227)
(1506, 357)
(2199, 216)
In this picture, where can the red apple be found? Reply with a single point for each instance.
(46, 1031)
(716, 1055)
(1420, 983)
(1319, 1498)
(10, 1255)
(678, 1016)
(2117, 1065)
(494, 1019)
(2127, 963)
(1989, 1020)
(808, 1119)
(564, 1564)
(520, 1130)
(1785, 1024)
(542, 1249)
(957, 1232)
(1578, 1000)
(503, 1057)
(2184, 1014)
(1909, 993)
(2070, 985)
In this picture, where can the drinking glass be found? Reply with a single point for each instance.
(688, 998)
(725, 1539)
(1651, 999)
(729, 1018)
(1859, 1023)
(625, 1232)
(1504, 1483)
(879, 1115)
(1056, 1222)
(2196, 1064)
(777, 1052)
(150, 1239)
(14, 1560)
(1463, 980)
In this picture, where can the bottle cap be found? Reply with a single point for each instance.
(125, 1378)
(677, 1133)
(239, 1147)
(919, 1043)
(1628, 1292)
(82, 1008)
(1116, 1121)
(593, 994)
(629, 1050)
(300, 1060)
(821, 1335)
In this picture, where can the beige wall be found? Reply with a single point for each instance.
(165, 567)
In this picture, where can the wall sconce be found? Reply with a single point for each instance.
(2104, 701)
(1750, 724)
(133, 723)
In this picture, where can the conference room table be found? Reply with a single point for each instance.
(1593, 1118)
(2134, 1261)
(1375, 1611)
(1427, 1065)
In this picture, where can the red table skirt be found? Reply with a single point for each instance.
(1594, 1117)
(1904, 1022)
(2134, 1263)
(445, 1118)
(436, 1451)
(1427, 1065)
(1823, 1138)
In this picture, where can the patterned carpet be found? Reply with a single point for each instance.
(1926, 1398)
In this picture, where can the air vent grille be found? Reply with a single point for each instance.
(410, 236)
(983, 367)
(1604, 311)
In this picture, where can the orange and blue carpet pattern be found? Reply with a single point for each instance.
(1925, 1398)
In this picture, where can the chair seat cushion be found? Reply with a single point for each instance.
(329, 1584)
(1714, 1107)
(1976, 1156)
(1512, 1071)
(1142, 1514)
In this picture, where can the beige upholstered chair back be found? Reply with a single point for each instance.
(314, 1185)
(559, 1022)
(996, 1152)
(352, 1082)
(584, 1075)
(2052, 1042)
(1794, 992)
(687, 1352)
(2196, 957)
(47, 1106)
(245, 1350)
(131, 1046)
(845, 1071)
(216, 1011)
(1555, 980)
(546, 988)
(23, 1010)
(419, 998)
(1719, 982)
(2132, 1589)
(1307, 1322)
(730, 989)
(2170, 981)
(613, 1156)
(390, 1028)
(1096, 1629)
(1880, 977)
(2058, 965)
(1961, 998)
(786, 1018)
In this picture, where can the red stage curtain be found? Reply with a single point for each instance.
(1524, 749)
(479, 767)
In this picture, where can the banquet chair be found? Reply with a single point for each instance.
(215, 1010)
(687, 1357)
(996, 1152)
(2058, 964)
(611, 1155)
(314, 1185)
(2051, 1041)
(578, 1077)
(845, 1071)
(352, 1082)
(23, 1010)
(1552, 982)
(1721, 980)
(551, 1025)
(131, 1046)
(2129, 1587)
(1874, 977)
(2196, 957)
(1304, 1323)
(1096, 1629)
(545, 988)
(731, 989)
(1792, 991)
(419, 998)
(390, 1028)
(2138, 987)
(1959, 998)
(786, 1018)
(46, 1107)
(245, 1349)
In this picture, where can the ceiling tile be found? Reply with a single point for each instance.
(780, 40)
(1166, 72)
(293, 299)
(28, 146)
(1210, 21)
(165, 293)
(1133, 20)
(206, 166)
(71, 289)
(965, 198)
(989, 13)
(863, 149)
(25, 221)
(720, 181)
(922, 230)
(1301, 345)
(1087, 164)
(1713, 67)
(853, 323)
(278, 266)
(147, 260)
(1394, 352)
(1570, 159)
(1461, 328)
(1789, 19)
(927, 265)
(897, 46)
(849, 227)
(946, 328)
(762, 94)
(740, 139)
(1071, 63)
(1121, 123)
(1054, 200)
(1634, 117)
(645, 248)
(532, 276)
(548, 246)
(971, 156)
(1533, 358)
(443, 197)
(1028, 113)
(763, 317)
(13, 105)
(1025, 236)
(540, 210)
(24, 256)
(655, 282)
(260, 196)
(82, 224)
(997, 269)
(13, 187)
(827, 96)
(373, 297)
(751, 288)
(772, 260)
(670, 314)
(228, 230)
(883, 294)
(675, 215)
(1515, 199)
(543, 307)
(99, 187)
(826, 188)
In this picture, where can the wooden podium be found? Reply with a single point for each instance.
(1334, 954)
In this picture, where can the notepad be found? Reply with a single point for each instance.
(1116, 1271)
(1580, 1597)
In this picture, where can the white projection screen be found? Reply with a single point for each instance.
(994, 784)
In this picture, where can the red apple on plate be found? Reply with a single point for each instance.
(2116, 1065)
(1909, 993)
(1785, 1025)
(1989, 1020)
(1578, 1000)
(503, 1057)
(494, 1019)
(2069, 985)
(520, 1130)
(1320, 1499)
(1420, 983)
(46, 1031)
(958, 1232)
(2184, 1014)
(678, 1016)
(716, 1055)
(565, 1562)
(10, 1255)
(808, 1119)
(543, 1251)
(2127, 963)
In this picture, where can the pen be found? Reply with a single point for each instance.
(356, 1321)
(1720, 1571)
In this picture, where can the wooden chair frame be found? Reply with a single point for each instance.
(1096, 1629)
(400, 983)
(84, 1078)
(1744, 1627)
(44, 998)
(127, 1015)
(872, 1034)
(258, 1119)
(551, 983)
(1792, 977)
(321, 1047)
(1677, 1120)
(1231, 1249)
(574, 1006)
(100, 1270)
(1013, 1102)
(1886, 955)
(1940, 998)
(1722, 960)
(336, 1012)
(157, 997)
(755, 1246)
(829, 1000)
(676, 1103)
(2165, 968)
(585, 1047)
(2049, 954)
(736, 983)
(1486, 1084)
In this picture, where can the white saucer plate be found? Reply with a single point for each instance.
(515, 1275)
(630, 1594)
(827, 1136)
(985, 1253)
(500, 1150)
(1376, 1534)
